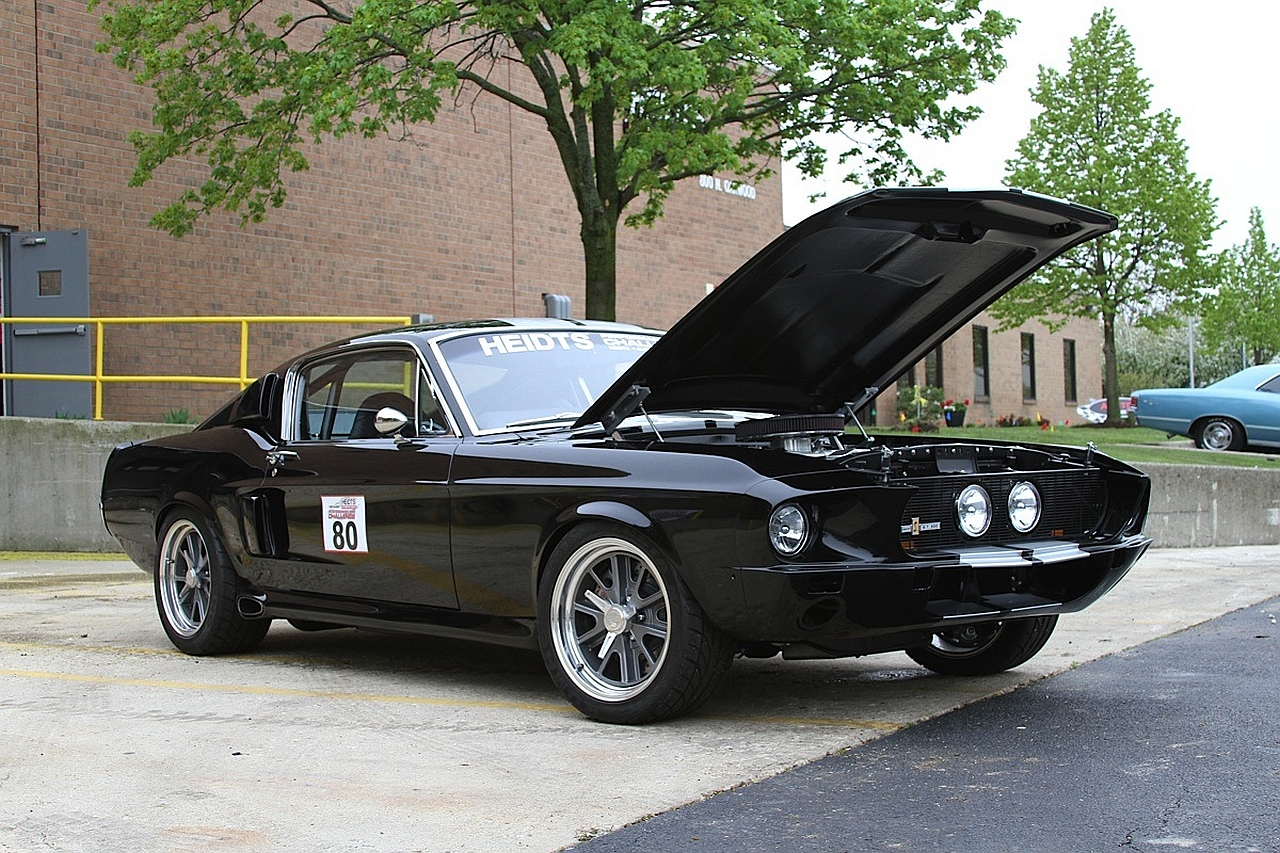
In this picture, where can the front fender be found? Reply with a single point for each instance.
(616, 512)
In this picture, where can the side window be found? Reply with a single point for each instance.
(1272, 385)
(339, 397)
(431, 418)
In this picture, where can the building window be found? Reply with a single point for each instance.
(933, 367)
(1069, 369)
(907, 380)
(1028, 367)
(981, 365)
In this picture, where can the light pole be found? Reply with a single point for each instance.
(1191, 349)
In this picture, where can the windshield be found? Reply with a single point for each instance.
(526, 378)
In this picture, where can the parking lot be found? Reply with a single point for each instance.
(111, 740)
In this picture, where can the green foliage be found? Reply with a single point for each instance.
(920, 407)
(178, 416)
(1096, 141)
(1151, 358)
(1244, 309)
(636, 95)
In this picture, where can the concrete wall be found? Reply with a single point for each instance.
(1199, 506)
(52, 472)
(53, 475)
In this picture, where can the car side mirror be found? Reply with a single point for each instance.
(389, 420)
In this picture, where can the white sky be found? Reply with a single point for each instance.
(1215, 66)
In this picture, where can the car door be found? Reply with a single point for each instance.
(1266, 425)
(366, 513)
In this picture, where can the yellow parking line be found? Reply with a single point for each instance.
(764, 720)
(292, 692)
(874, 725)
(62, 556)
(27, 582)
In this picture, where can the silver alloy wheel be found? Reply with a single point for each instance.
(184, 578)
(609, 619)
(1218, 434)
(966, 640)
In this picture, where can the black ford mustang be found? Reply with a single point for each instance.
(642, 507)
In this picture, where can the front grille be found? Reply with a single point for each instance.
(1072, 503)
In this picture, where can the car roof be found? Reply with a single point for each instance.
(421, 335)
(1250, 377)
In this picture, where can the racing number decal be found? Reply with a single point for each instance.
(342, 518)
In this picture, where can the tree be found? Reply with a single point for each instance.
(1097, 142)
(1161, 358)
(636, 95)
(1245, 310)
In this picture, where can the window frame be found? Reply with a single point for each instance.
(981, 371)
(1028, 367)
(933, 360)
(1070, 384)
(295, 395)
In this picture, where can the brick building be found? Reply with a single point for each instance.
(467, 217)
(1025, 372)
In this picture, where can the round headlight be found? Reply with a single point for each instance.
(1024, 507)
(788, 530)
(973, 510)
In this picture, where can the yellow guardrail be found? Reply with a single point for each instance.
(99, 378)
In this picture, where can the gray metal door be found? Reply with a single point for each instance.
(48, 276)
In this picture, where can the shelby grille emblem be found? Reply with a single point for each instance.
(915, 528)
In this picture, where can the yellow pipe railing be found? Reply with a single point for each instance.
(99, 378)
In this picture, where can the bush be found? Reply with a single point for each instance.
(920, 407)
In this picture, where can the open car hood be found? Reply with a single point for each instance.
(842, 303)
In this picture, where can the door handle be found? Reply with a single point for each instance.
(51, 330)
(278, 458)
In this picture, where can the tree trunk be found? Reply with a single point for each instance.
(600, 251)
(1111, 378)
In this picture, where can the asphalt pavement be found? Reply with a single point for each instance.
(1172, 745)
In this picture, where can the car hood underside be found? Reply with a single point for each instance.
(841, 303)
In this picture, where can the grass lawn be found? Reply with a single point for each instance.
(1131, 444)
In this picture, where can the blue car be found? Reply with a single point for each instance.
(1240, 411)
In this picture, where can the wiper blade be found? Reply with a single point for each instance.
(546, 419)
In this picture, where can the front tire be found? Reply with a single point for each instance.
(1220, 434)
(620, 633)
(985, 649)
(196, 591)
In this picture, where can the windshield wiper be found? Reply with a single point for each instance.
(546, 419)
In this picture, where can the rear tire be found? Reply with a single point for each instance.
(1220, 434)
(620, 633)
(986, 648)
(196, 591)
